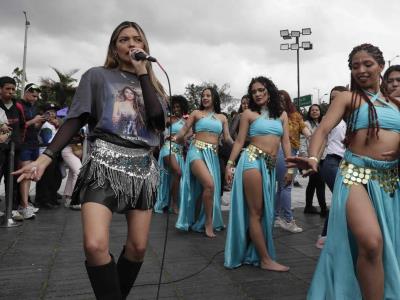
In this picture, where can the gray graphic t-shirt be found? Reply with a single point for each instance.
(114, 100)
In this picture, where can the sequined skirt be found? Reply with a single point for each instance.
(120, 178)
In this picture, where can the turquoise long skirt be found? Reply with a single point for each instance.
(335, 276)
(238, 247)
(191, 193)
(164, 189)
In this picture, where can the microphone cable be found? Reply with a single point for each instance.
(168, 213)
(159, 283)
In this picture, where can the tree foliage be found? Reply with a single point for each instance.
(18, 75)
(59, 92)
(193, 94)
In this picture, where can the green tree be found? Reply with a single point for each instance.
(193, 94)
(18, 75)
(59, 92)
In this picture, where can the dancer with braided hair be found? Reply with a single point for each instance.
(171, 160)
(361, 257)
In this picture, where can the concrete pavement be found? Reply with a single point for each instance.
(43, 259)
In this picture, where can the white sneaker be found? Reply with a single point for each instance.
(1, 214)
(277, 222)
(27, 213)
(30, 207)
(75, 207)
(320, 242)
(67, 203)
(34, 208)
(291, 226)
(16, 215)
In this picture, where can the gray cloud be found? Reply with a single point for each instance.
(196, 41)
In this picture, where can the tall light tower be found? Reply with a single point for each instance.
(286, 35)
(27, 23)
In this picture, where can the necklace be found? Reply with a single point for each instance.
(264, 112)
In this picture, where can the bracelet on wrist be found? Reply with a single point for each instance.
(290, 171)
(230, 163)
(314, 158)
(49, 153)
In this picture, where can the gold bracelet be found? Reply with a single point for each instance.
(230, 163)
(290, 171)
(314, 158)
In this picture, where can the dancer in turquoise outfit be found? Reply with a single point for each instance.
(361, 256)
(249, 239)
(201, 174)
(171, 160)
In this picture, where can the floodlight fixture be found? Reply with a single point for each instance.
(294, 46)
(284, 33)
(306, 31)
(285, 47)
(295, 33)
(306, 45)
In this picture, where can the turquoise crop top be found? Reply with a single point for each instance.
(263, 125)
(175, 127)
(209, 123)
(388, 115)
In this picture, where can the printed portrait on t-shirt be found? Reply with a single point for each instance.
(128, 113)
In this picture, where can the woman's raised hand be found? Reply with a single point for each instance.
(33, 171)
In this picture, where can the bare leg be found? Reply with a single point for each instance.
(200, 170)
(362, 221)
(138, 234)
(24, 187)
(173, 166)
(96, 219)
(252, 182)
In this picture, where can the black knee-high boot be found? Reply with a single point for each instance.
(127, 272)
(104, 281)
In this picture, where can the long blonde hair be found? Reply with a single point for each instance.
(112, 60)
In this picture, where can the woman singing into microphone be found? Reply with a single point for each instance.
(120, 174)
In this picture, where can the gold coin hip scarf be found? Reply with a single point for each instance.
(255, 153)
(175, 148)
(204, 146)
(388, 179)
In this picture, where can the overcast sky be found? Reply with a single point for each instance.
(209, 40)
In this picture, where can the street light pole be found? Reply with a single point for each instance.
(24, 57)
(298, 75)
(286, 35)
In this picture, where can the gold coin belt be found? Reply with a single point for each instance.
(388, 178)
(175, 148)
(204, 146)
(255, 153)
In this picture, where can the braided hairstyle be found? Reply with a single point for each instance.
(358, 94)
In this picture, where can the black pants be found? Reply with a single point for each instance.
(316, 183)
(5, 172)
(48, 185)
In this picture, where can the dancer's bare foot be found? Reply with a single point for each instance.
(273, 266)
(209, 231)
(175, 210)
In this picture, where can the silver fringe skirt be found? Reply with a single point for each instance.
(120, 178)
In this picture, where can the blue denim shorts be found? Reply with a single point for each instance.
(29, 154)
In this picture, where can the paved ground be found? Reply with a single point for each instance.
(43, 259)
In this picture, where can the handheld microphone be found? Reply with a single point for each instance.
(142, 56)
